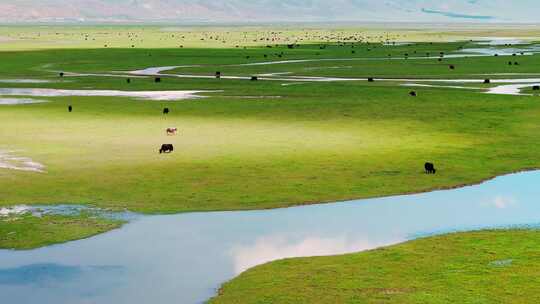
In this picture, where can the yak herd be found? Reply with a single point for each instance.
(428, 166)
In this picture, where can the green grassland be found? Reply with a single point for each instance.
(27, 231)
(473, 267)
(256, 145)
(313, 142)
(35, 37)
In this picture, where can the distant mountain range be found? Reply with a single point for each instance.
(194, 11)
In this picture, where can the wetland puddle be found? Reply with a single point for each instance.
(190, 255)
(19, 101)
(146, 95)
(13, 162)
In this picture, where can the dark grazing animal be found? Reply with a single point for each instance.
(166, 111)
(254, 78)
(218, 74)
(370, 79)
(413, 93)
(70, 108)
(487, 81)
(157, 79)
(536, 88)
(430, 168)
(128, 80)
(166, 148)
(61, 74)
(452, 67)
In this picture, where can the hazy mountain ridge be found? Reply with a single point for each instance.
(265, 10)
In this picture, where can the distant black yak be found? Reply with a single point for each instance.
(430, 168)
(128, 80)
(536, 88)
(70, 108)
(218, 74)
(166, 111)
(61, 74)
(413, 93)
(487, 81)
(254, 78)
(157, 79)
(370, 79)
(166, 148)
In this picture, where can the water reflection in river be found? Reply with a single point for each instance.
(184, 258)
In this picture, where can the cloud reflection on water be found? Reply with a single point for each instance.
(271, 248)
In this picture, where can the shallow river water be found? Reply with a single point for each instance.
(184, 258)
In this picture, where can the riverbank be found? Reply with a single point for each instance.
(497, 266)
(25, 231)
(215, 247)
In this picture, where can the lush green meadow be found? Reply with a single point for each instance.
(474, 267)
(28, 231)
(253, 145)
(265, 144)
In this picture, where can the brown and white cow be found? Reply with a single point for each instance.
(172, 131)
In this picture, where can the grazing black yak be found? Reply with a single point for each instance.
(413, 93)
(70, 108)
(254, 78)
(536, 88)
(430, 168)
(370, 79)
(157, 79)
(218, 74)
(61, 74)
(166, 148)
(452, 67)
(166, 111)
(128, 80)
(487, 81)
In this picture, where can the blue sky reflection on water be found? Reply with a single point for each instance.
(184, 258)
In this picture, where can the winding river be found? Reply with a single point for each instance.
(184, 258)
